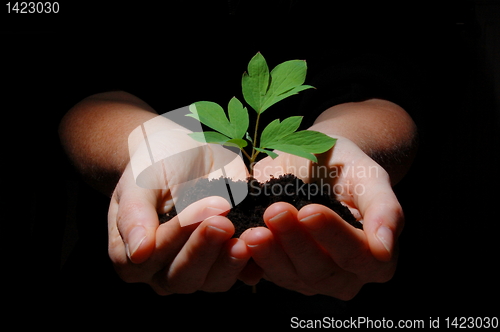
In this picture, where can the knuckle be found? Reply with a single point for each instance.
(128, 212)
(397, 218)
(397, 210)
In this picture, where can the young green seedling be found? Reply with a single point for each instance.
(261, 90)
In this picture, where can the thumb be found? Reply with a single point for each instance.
(383, 218)
(133, 221)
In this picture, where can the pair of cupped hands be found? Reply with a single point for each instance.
(311, 250)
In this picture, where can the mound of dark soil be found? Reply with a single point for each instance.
(248, 213)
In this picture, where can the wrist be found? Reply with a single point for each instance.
(380, 128)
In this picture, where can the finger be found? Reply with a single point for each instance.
(116, 246)
(224, 273)
(251, 273)
(136, 221)
(170, 238)
(188, 271)
(202, 209)
(346, 245)
(383, 218)
(278, 269)
(173, 235)
(311, 262)
(270, 257)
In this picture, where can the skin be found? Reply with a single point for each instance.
(311, 251)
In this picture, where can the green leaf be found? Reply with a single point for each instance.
(286, 80)
(237, 142)
(262, 89)
(308, 140)
(287, 76)
(238, 118)
(302, 143)
(209, 137)
(213, 116)
(276, 98)
(271, 154)
(255, 82)
(277, 130)
(218, 138)
(283, 136)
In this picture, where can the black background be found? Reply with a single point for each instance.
(55, 267)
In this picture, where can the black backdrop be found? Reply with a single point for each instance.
(49, 62)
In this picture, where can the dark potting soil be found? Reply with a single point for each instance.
(248, 213)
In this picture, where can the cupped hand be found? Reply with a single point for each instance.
(314, 251)
(194, 250)
(184, 259)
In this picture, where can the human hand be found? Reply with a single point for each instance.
(313, 251)
(200, 256)
(193, 251)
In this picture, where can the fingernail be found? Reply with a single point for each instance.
(314, 221)
(135, 239)
(279, 223)
(262, 250)
(215, 235)
(238, 252)
(211, 211)
(384, 234)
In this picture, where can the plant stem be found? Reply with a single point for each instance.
(252, 163)
(255, 135)
(254, 143)
(246, 154)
